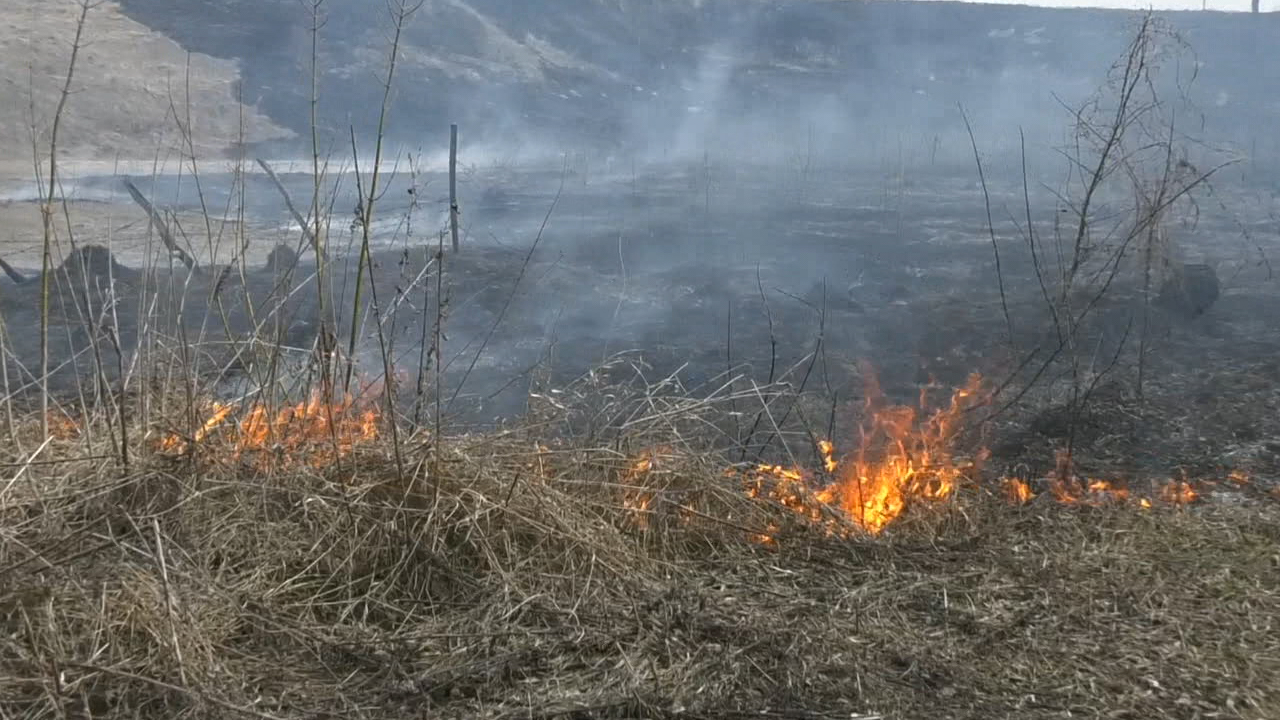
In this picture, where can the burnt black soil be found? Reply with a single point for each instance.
(740, 280)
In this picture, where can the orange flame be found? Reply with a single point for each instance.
(639, 496)
(1179, 492)
(904, 456)
(903, 459)
(768, 538)
(314, 432)
(1106, 490)
(62, 427)
(828, 450)
(175, 444)
(1068, 488)
(1018, 491)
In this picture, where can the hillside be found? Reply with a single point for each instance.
(614, 71)
(665, 73)
(128, 80)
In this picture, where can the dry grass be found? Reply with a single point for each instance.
(507, 578)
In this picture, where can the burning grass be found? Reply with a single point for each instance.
(317, 432)
(903, 455)
(617, 570)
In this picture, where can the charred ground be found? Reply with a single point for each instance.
(714, 275)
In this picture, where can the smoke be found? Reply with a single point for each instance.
(850, 83)
(715, 162)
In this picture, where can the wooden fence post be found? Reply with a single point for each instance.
(453, 184)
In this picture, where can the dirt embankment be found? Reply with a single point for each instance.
(128, 83)
(131, 88)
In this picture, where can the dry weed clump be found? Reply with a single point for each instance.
(532, 573)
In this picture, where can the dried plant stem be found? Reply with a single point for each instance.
(46, 212)
(326, 338)
(991, 229)
(307, 235)
(401, 13)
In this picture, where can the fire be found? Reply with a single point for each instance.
(316, 431)
(639, 496)
(1099, 491)
(306, 424)
(1069, 488)
(904, 456)
(1018, 491)
(1179, 492)
(768, 538)
(638, 505)
(173, 443)
(62, 427)
(828, 451)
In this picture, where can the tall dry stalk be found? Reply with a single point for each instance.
(186, 129)
(47, 210)
(506, 305)
(991, 229)
(401, 12)
(319, 238)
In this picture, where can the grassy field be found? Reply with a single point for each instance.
(286, 565)
(1092, 537)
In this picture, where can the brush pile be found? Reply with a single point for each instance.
(596, 561)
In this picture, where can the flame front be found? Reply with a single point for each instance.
(903, 459)
(1179, 492)
(314, 432)
(904, 456)
(1018, 491)
(173, 443)
(62, 426)
(639, 496)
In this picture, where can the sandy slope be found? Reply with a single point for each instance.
(127, 79)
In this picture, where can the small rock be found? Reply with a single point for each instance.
(1190, 291)
(94, 264)
(282, 258)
